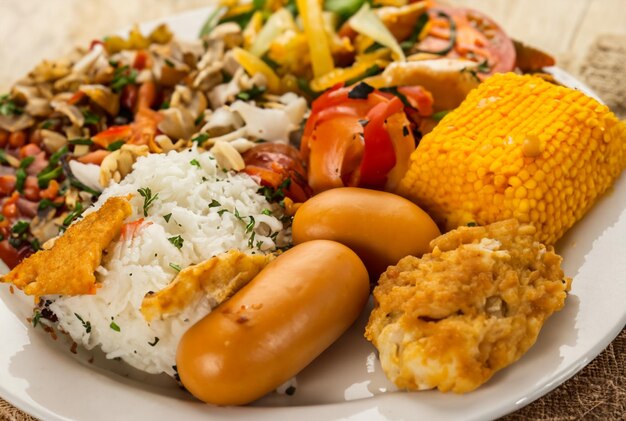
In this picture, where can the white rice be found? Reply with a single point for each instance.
(135, 266)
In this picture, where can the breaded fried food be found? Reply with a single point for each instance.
(454, 317)
(68, 267)
(218, 278)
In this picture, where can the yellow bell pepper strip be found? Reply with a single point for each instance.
(253, 64)
(279, 22)
(319, 47)
(367, 23)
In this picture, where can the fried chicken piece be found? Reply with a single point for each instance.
(218, 278)
(68, 267)
(454, 317)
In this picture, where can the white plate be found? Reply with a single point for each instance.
(42, 377)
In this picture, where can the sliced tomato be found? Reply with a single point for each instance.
(270, 164)
(378, 155)
(474, 35)
(346, 141)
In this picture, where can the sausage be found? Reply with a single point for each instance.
(294, 309)
(380, 227)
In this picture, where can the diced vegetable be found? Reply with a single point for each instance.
(319, 48)
(367, 23)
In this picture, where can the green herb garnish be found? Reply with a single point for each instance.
(20, 227)
(123, 76)
(176, 267)
(115, 145)
(167, 217)
(9, 107)
(194, 162)
(176, 241)
(36, 318)
(81, 141)
(148, 199)
(114, 326)
(214, 204)
(266, 212)
(200, 139)
(250, 94)
(90, 118)
(86, 324)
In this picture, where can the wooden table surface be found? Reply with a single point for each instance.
(31, 30)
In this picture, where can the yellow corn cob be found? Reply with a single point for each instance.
(518, 147)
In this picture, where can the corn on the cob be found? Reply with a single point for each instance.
(518, 147)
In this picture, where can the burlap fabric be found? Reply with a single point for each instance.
(598, 392)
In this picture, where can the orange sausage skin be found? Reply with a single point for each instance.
(380, 227)
(293, 310)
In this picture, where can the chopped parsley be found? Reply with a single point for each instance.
(20, 227)
(195, 163)
(123, 76)
(277, 194)
(9, 107)
(214, 204)
(148, 199)
(114, 326)
(115, 145)
(200, 139)
(250, 225)
(86, 324)
(176, 241)
(90, 118)
(169, 63)
(266, 212)
(176, 267)
(167, 217)
(36, 318)
(250, 94)
(81, 141)
(472, 224)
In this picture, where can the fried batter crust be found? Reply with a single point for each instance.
(68, 267)
(218, 278)
(476, 304)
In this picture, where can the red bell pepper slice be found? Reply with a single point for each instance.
(378, 156)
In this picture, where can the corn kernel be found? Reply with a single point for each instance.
(540, 152)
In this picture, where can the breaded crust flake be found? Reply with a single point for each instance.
(476, 304)
(218, 278)
(68, 267)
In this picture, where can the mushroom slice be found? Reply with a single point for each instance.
(14, 123)
(53, 141)
(71, 111)
(218, 278)
(177, 123)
